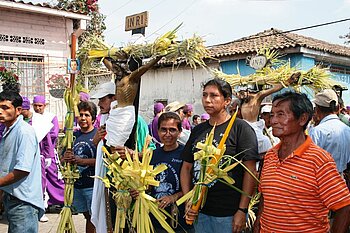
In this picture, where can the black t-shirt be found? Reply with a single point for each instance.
(169, 180)
(84, 148)
(223, 200)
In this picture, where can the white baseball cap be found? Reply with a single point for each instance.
(325, 97)
(266, 108)
(103, 90)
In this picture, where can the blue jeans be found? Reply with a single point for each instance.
(82, 200)
(22, 216)
(211, 224)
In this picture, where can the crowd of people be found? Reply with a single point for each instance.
(296, 146)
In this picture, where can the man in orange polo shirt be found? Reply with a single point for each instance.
(299, 181)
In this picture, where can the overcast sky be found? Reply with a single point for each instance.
(221, 21)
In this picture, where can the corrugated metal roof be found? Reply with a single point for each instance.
(46, 5)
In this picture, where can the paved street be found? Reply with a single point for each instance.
(52, 224)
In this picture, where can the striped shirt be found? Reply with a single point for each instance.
(300, 190)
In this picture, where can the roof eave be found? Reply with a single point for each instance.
(42, 10)
(326, 56)
(243, 55)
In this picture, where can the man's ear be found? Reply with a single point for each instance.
(18, 111)
(303, 119)
(228, 101)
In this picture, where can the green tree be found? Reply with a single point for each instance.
(95, 27)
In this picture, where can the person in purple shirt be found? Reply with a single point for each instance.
(158, 109)
(188, 111)
(39, 104)
(44, 145)
(204, 117)
(54, 185)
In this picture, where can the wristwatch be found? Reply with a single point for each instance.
(244, 210)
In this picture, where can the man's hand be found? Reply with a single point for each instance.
(78, 161)
(134, 193)
(121, 151)
(12, 177)
(68, 156)
(190, 214)
(165, 201)
(238, 221)
(100, 134)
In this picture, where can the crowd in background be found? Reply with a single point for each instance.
(297, 147)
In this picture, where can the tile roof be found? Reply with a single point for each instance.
(47, 5)
(276, 39)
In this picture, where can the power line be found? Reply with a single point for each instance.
(318, 25)
(119, 25)
(157, 4)
(181, 12)
(293, 30)
(125, 4)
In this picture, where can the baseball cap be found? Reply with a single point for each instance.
(325, 97)
(103, 90)
(266, 108)
(174, 106)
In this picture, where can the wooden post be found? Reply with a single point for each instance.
(73, 56)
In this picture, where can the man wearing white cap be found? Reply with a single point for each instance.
(265, 115)
(178, 107)
(331, 134)
(119, 125)
(106, 95)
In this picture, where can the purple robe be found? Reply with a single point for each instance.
(50, 182)
(153, 131)
(54, 131)
(186, 124)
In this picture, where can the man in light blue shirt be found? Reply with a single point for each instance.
(331, 134)
(20, 168)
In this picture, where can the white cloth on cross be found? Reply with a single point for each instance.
(98, 204)
(264, 142)
(119, 124)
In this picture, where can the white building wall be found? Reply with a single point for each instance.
(56, 32)
(182, 84)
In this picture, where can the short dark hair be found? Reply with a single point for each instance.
(195, 117)
(14, 97)
(327, 110)
(170, 115)
(223, 86)
(110, 96)
(88, 106)
(299, 104)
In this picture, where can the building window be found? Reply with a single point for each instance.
(163, 101)
(30, 69)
